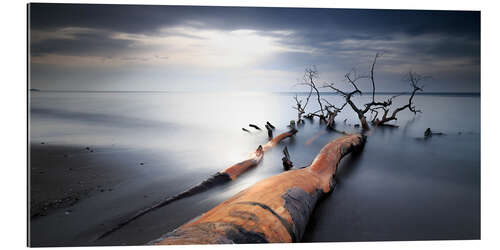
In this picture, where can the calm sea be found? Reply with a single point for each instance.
(400, 187)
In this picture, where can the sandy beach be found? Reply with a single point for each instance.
(62, 176)
(87, 186)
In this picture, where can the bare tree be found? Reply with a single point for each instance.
(375, 107)
(414, 79)
(301, 109)
(348, 98)
(332, 111)
(310, 77)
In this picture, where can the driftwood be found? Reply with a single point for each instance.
(269, 131)
(428, 133)
(287, 163)
(376, 107)
(301, 108)
(330, 122)
(234, 171)
(276, 209)
(254, 126)
(270, 125)
(219, 178)
(311, 75)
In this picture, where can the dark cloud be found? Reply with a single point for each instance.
(312, 26)
(144, 18)
(94, 43)
(345, 37)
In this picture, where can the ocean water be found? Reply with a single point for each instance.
(401, 187)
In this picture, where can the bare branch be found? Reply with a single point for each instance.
(301, 109)
(372, 78)
(414, 80)
(310, 75)
(376, 108)
(333, 106)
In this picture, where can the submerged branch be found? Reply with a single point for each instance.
(374, 106)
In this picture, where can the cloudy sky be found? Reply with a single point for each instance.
(149, 48)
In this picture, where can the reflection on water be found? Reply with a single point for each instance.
(398, 188)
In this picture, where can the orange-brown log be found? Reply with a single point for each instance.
(276, 209)
(255, 157)
(219, 178)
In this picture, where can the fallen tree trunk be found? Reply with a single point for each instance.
(219, 178)
(276, 209)
(234, 171)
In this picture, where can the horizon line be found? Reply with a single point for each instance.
(272, 92)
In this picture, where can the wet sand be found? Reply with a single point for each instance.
(61, 176)
(78, 191)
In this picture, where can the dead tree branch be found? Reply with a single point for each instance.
(301, 109)
(377, 107)
(348, 96)
(309, 79)
(332, 113)
(380, 110)
(287, 163)
(414, 79)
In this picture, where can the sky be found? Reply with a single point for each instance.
(191, 48)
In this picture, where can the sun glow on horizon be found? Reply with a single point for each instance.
(175, 46)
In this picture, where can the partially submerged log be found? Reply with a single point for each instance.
(330, 123)
(269, 131)
(276, 209)
(309, 116)
(287, 163)
(428, 133)
(219, 178)
(255, 157)
(254, 126)
(270, 125)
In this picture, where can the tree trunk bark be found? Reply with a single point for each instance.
(255, 157)
(364, 124)
(276, 209)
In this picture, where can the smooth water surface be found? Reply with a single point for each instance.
(401, 187)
